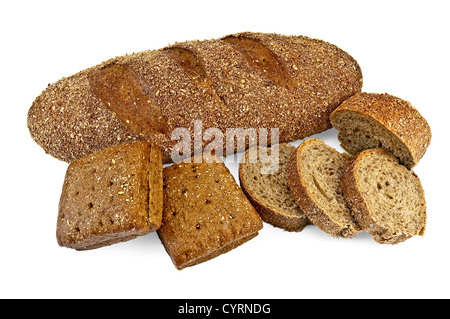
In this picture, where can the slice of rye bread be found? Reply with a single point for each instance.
(386, 198)
(111, 196)
(314, 177)
(370, 120)
(205, 213)
(263, 180)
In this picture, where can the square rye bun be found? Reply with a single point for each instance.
(205, 213)
(111, 196)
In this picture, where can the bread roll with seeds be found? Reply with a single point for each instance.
(245, 80)
(205, 213)
(111, 196)
(386, 198)
(263, 180)
(314, 175)
(370, 120)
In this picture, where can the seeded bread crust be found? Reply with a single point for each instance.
(271, 212)
(243, 80)
(205, 213)
(360, 208)
(111, 196)
(398, 118)
(316, 212)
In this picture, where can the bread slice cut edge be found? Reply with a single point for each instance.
(363, 211)
(293, 220)
(316, 212)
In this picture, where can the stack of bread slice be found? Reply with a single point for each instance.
(370, 189)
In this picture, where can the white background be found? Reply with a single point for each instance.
(402, 48)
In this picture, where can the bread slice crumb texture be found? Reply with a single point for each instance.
(262, 176)
(388, 199)
(314, 174)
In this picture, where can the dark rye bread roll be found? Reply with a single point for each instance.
(246, 80)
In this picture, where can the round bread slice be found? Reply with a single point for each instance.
(386, 198)
(314, 175)
(263, 179)
(370, 120)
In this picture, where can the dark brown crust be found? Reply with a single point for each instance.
(181, 263)
(155, 181)
(70, 120)
(123, 185)
(396, 115)
(314, 212)
(205, 213)
(359, 208)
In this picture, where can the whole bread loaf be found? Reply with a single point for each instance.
(246, 80)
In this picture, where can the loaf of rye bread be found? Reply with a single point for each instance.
(245, 80)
